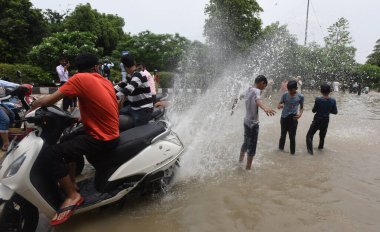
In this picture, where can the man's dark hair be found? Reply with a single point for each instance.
(292, 84)
(261, 78)
(85, 62)
(128, 60)
(325, 88)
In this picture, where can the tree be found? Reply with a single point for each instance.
(107, 27)
(232, 25)
(374, 57)
(368, 74)
(54, 20)
(339, 34)
(162, 51)
(62, 44)
(21, 27)
(339, 51)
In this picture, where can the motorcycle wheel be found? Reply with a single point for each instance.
(19, 215)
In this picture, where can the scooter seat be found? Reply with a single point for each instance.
(131, 143)
(136, 139)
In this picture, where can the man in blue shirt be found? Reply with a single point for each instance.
(323, 106)
(290, 102)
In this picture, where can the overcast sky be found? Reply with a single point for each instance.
(187, 17)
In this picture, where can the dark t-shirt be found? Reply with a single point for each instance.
(324, 107)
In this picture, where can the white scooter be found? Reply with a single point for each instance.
(144, 159)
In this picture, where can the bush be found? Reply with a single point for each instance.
(29, 74)
(166, 79)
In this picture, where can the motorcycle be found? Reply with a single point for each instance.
(145, 158)
(18, 99)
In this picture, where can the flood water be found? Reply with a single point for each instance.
(337, 189)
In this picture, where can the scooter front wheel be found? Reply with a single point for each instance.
(18, 215)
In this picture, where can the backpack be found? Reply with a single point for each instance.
(106, 70)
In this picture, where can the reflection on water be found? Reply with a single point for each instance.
(337, 189)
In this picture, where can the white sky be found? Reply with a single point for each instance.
(187, 17)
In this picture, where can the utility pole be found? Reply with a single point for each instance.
(307, 20)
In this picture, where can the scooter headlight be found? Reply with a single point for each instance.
(15, 166)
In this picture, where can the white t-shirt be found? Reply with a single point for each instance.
(252, 110)
(62, 74)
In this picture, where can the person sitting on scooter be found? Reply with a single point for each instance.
(6, 118)
(99, 114)
(138, 92)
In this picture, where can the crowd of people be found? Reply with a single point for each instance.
(292, 105)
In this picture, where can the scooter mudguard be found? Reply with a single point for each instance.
(5, 192)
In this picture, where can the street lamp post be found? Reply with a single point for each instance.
(307, 20)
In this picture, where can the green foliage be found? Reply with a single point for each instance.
(339, 50)
(62, 44)
(107, 27)
(29, 74)
(374, 57)
(21, 27)
(281, 57)
(166, 79)
(54, 20)
(232, 25)
(368, 74)
(161, 51)
(339, 34)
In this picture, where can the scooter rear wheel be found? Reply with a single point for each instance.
(19, 215)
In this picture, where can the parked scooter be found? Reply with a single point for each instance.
(145, 158)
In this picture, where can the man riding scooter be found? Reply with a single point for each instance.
(138, 93)
(99, 114)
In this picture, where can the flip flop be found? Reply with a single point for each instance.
(71, 210)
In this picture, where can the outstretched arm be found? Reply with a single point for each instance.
(48, 100)
(267, 110)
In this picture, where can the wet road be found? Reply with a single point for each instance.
(337, 189)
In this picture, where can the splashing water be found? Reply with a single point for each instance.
(204, 122)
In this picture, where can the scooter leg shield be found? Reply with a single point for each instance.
(5, 192)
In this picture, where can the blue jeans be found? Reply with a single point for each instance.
(250, 140)
(6, 118)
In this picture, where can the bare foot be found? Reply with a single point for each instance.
(241, 157)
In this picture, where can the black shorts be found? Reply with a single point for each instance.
(250, 139)
(58, 155)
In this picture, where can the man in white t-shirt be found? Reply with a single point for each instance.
(251, 120)
(63, 75)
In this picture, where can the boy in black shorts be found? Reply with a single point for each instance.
(251, 120)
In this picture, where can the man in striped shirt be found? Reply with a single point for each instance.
(138, 93)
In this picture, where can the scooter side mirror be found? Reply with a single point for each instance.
(18, 73)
